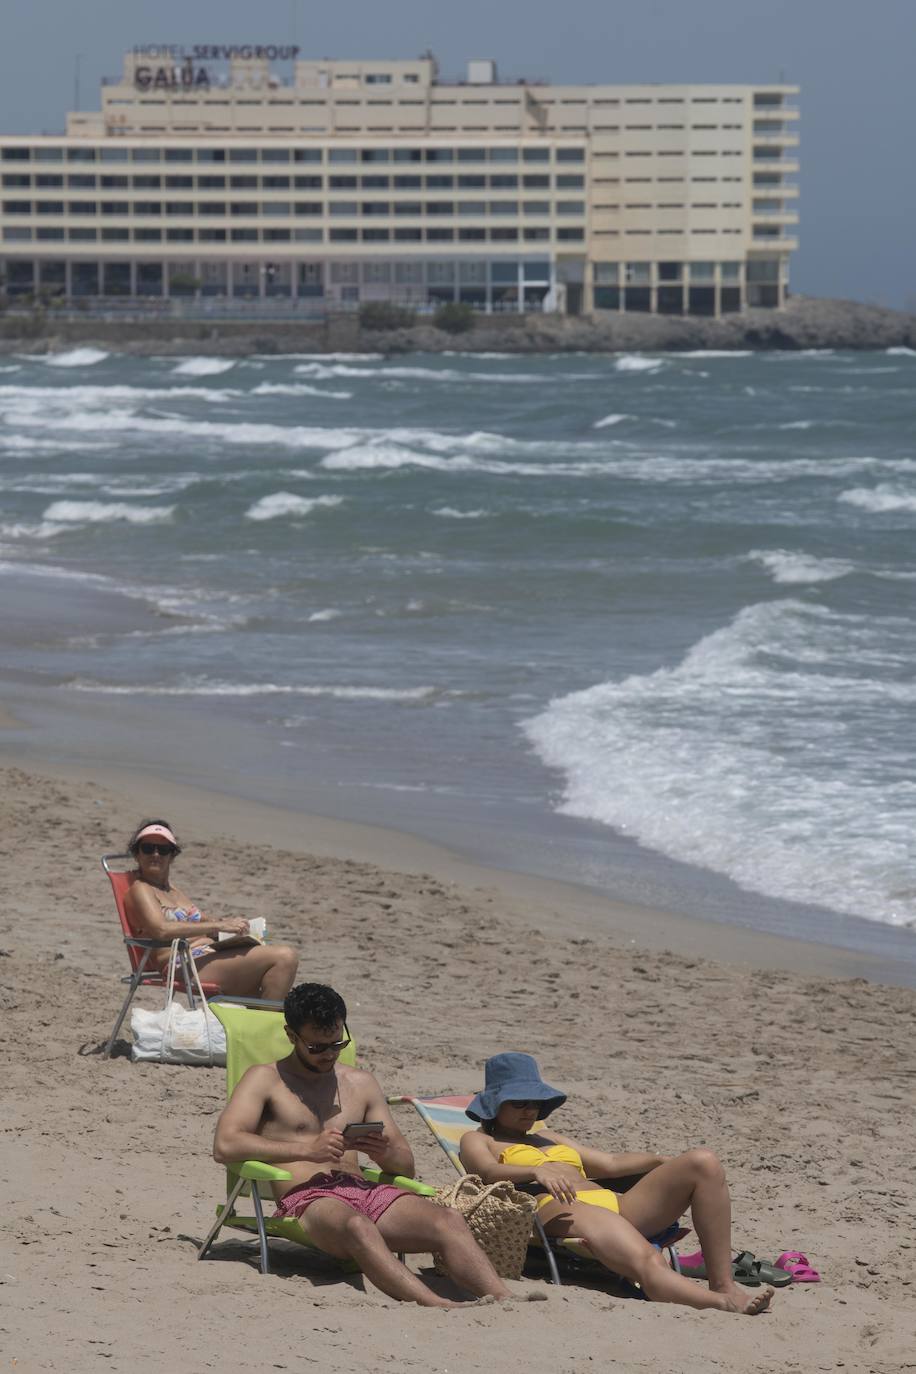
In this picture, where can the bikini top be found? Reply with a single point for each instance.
(181, 913)
(530, 1156)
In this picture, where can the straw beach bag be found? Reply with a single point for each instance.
(499, 1217)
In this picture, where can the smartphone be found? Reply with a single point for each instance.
(358, 1128)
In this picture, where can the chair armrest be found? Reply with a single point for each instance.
(255, 1171)
(411, 1185)
(255, 1003)
(150, 944)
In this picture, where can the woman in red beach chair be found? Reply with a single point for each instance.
(158, 910)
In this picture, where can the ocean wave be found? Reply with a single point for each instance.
(25, 529)
(738, 758)
(285, 503)
(880, 500)
(201, 687)
(637, 362)
(96, 512)
(787, 568)
(298, 389)
(330, 613)
(449, 513)
(901, 352)
(74, 357)
(35, 397)
(717, 353)
(326, 371)
(611, 420)
(203, 367)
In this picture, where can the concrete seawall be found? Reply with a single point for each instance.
(805, 323)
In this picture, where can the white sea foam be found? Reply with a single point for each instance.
(285, 503)
(450, 513)
(298, 389)
(758, 756)
(637, 362)
(717, 353)
(333, 357)
(203, 367)
(901, 352)
(13, 367)
(880, 500)
(329, 614)
(202, 687)
(96, 512)
(75, 357)
(788, 568)
(610, 420)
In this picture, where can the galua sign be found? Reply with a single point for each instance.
(181, 68)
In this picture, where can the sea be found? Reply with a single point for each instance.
(646, 622)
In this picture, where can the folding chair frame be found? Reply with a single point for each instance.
(143, 976)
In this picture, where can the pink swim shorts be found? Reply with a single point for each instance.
(372, 1199)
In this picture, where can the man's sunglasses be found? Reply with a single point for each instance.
(324, 1047)
(166, 851)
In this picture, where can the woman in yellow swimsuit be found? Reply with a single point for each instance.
(572, 1203)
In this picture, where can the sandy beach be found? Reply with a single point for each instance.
(665, 1034)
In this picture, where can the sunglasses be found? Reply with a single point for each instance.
(522, 1104)
(166, 851)
(323, 1047)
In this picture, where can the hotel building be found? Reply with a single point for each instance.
(206, 174)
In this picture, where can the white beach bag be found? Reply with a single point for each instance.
(176, 1035)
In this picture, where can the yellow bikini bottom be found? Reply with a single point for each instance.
(595, 1197)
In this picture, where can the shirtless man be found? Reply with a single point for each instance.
(293, 1113)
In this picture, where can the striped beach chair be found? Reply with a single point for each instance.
(448, 1120)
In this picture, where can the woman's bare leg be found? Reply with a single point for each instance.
(618, 1245)
(267, 971)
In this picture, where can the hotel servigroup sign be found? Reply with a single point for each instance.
(174, 67)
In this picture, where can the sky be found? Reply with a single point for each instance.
(853, 61)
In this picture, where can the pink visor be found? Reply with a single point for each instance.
(162, 832)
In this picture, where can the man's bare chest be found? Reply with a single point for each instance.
(296, 1107)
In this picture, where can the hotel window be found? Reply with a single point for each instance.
(306, 154)
(570, 207)
(342, 155)
(570, 155)
(375, 155)
(343, 236)
(307, 183)
(503, 235)
(179, 235)
(472, 207)
(536, 183)
(308, 207)
(277, 236)
(243, 183)
(343, 207)
(374, 183)
(440, 235)
(275, 155)
(49, 207)
(408, 207)
(472, 183)
(235, 235)
(535, 154)
(408, 155)
(570, 183)
(22, 181)
(375, 235)
(342, 183)
(112, 183)
(472, 235)
(179, 155)
(408, 183)
(211, 183)
(83, 235)
(243, 155)
(503, 207)
(308, 235)
(82, 207)
(278, 209)
(114, 155)
(148, 207)
(115, 235)
(147, 235)
(147, 155)
(115, 207)
(15, 234)
(440, 155)
(440, 183)
(218, 235)
(49, 234)
(81, 183)
(472, 154)
(503, 181)
(536, 207)
(179, 207)
(275, 183)
(80, 155)
(177, 183)
(211, 155)
(503, 155)
(408, 273)
(145, 183)
(376, 207)
(570, 235)
(48, 154)
(408, 235)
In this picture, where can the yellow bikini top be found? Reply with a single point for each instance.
(530, 1156)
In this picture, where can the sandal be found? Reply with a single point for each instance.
(760, 1270)
(797, 1266)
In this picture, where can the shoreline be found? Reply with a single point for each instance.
(205, 815)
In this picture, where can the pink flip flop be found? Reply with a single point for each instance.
(797, 1264)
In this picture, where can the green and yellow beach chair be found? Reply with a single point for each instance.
(255, 1035)
(447, 1118)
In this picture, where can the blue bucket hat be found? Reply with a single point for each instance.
(513, 1078)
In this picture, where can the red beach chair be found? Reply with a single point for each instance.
(139, 950)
